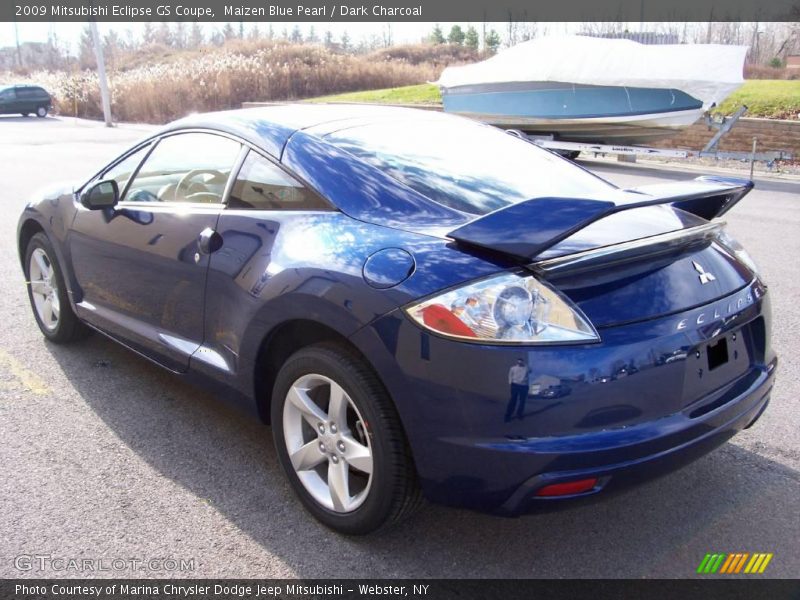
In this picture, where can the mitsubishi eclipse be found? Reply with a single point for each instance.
(420, 305)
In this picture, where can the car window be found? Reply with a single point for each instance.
(188, 167)
(265, 186)
(7, 94)
(122, 171)
(466, 166)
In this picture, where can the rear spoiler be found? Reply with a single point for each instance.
(526, 229)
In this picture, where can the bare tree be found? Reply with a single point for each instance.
(196, 36)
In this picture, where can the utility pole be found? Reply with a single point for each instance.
(101, 73)
(16, 38)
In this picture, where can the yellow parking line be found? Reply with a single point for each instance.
(29, 380)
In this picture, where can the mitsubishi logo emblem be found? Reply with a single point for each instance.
(705, 277)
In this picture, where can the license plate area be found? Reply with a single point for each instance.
(717, 353)
(716, 363)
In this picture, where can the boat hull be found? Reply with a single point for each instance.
(585, 113)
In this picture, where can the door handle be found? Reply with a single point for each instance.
(209, 241)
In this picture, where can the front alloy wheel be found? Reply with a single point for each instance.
(340, 442)
(44, 289)
(48, 293)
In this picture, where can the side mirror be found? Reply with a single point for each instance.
(103, 194)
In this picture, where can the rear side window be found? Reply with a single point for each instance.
(30, 93)
(262, 185)
(8, 94)
(188, 167)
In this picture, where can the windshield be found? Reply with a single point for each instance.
(466, 166)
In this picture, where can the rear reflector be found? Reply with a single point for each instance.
(569, 488)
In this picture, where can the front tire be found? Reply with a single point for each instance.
(48, 293)
(41, 112)
(340, 442)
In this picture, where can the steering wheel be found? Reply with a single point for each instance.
(186, 180)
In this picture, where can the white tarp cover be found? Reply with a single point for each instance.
(708, 72)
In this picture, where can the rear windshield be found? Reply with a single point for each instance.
(466, 166)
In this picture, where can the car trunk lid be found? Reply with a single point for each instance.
(645, 253)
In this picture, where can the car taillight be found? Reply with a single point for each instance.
(506, 308)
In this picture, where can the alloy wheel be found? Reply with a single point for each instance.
(327, 443)
(44, 289)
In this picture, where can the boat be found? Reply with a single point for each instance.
(587, 89)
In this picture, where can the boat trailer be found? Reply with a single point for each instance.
(711, 150)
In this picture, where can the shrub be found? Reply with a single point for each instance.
(216, 79)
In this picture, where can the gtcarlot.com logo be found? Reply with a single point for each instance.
(48, 562)
(731, 564)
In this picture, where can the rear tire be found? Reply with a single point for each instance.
(569, 154)
(41, 112)
(48, 293)
(343, 433)
(25, 114)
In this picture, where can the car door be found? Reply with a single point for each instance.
(141, 266)
(8, 99)
(264, 202)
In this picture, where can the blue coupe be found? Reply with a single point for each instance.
(420, 304)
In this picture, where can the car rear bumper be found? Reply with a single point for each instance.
(660, 447)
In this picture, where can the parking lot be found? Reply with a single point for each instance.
(106, 457)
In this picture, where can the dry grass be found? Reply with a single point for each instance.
(223, 78)
(767, 72)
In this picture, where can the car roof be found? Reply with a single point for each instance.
(21, 86)
(270, 127)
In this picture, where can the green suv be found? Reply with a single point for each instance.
(24, 99)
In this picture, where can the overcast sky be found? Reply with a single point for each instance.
(401, 32)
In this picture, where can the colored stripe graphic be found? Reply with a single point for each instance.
(726, 566)
(733, 563)
(703, 563)
(715, 563)
(764, 564)
(740, 564)
(754, 564)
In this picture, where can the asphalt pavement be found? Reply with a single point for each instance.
(108, 460)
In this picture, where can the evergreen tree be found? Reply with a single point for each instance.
(471, 39)
(492, 41)
(437, 37)
(456, 36)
